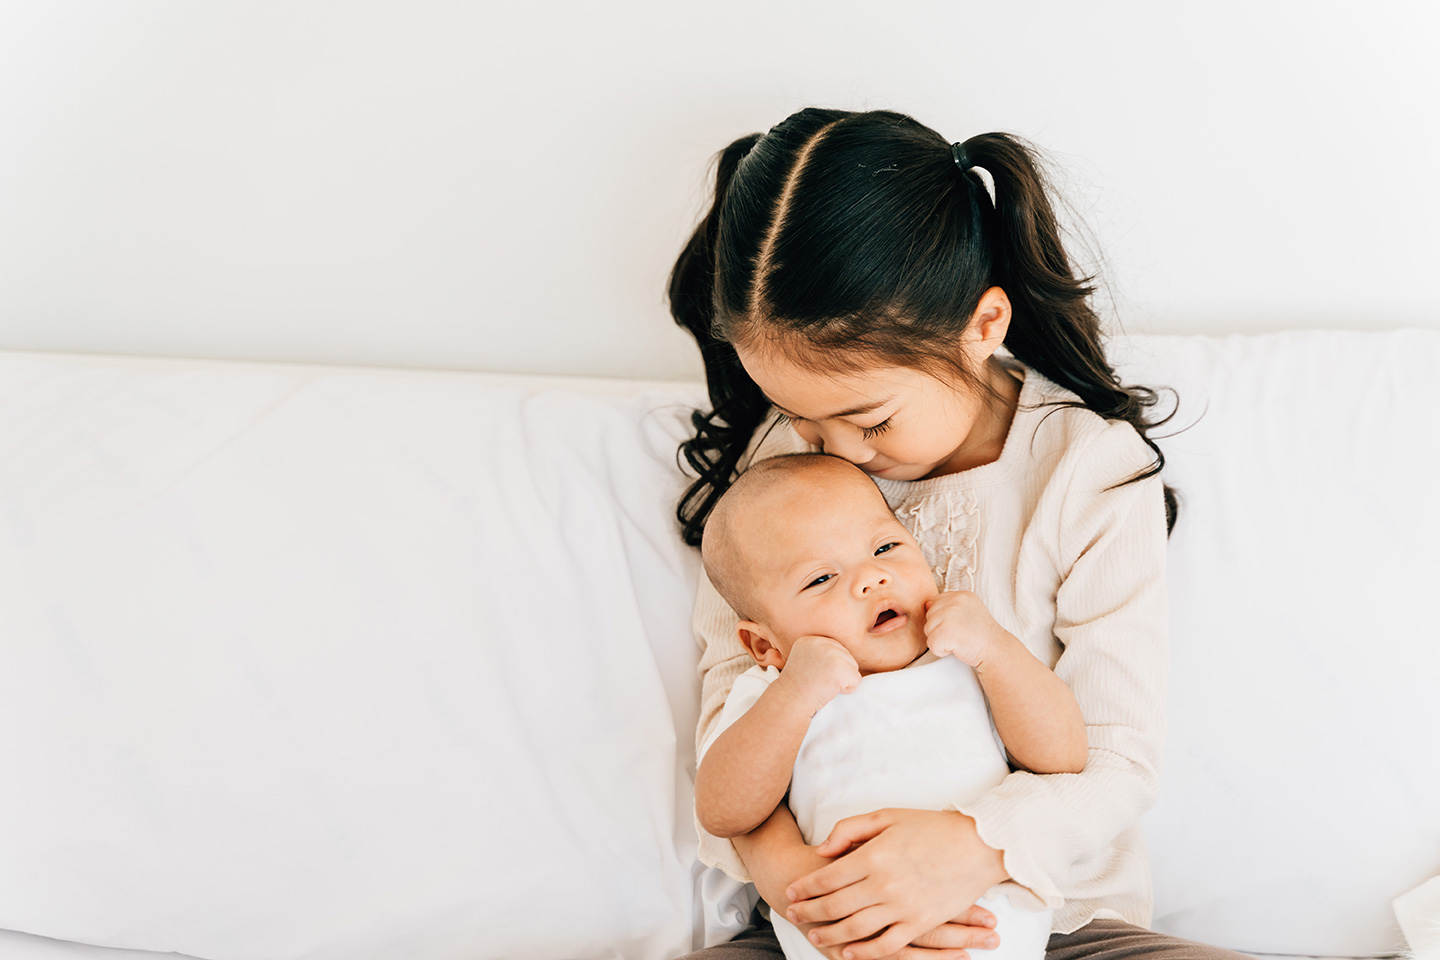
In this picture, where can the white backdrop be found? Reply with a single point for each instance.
(503, 186)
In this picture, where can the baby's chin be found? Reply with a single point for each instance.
(894, 659)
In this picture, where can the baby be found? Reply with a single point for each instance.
(835, 597)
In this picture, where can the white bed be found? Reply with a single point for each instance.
(310, 663)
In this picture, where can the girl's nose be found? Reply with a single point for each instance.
(850, 448)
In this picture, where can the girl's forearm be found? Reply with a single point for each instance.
(1035, 713)
(776, 855)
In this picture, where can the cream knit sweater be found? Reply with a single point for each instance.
(1074, 566)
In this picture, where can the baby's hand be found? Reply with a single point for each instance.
(819, 669)
(958, 625)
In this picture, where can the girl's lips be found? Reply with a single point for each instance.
(892, 624)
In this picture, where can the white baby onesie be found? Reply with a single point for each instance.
(920, 738)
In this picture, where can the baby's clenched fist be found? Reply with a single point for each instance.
(818, 670)
(958, 625)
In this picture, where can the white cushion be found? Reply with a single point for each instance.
(1300, 792)
(335, 663)
(324, 663)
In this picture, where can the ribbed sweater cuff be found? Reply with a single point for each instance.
(1000, 824)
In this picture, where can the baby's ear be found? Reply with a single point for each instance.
(756, 638)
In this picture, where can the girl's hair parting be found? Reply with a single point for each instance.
(847, 239)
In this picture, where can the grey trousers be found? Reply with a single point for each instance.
(1097, 940)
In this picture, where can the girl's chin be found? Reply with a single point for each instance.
(899, 471)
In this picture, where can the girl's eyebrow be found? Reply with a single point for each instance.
(863, 408)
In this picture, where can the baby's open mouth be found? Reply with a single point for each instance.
(884, 615)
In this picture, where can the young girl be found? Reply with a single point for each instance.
(850, 290)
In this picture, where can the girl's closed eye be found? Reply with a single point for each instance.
(869, 433)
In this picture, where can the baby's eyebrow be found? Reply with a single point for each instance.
(804, 568)
(799, 568)
(863, 408)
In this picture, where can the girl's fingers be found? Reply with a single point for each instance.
(927, 953)
(858, 926)
(851, 832)
(828, 879)
(835, 906)
(976, 916)
(957, 935)
(886, 944)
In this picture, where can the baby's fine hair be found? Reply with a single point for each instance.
(720, 552)
(847, 239)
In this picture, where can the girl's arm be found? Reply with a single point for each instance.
(1035, 713)
(779, 856)
(744, 774)
(1111, 621)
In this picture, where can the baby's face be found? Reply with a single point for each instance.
(828, 558)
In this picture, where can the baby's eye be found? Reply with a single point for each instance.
(819, 580)
(886, 547)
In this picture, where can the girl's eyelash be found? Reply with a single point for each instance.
(886, 547)
(820, 579)
(870, 433)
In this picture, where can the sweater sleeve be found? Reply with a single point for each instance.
(1111, 623)
(723, 662)
(724, 658)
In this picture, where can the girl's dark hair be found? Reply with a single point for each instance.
(849, 238)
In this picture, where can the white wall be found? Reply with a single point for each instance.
(503, 186)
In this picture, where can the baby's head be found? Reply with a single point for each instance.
(805, 545)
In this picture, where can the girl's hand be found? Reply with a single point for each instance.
(958, 625)
(948, 941)
(903, 872)
(777, 856)
(973, 929)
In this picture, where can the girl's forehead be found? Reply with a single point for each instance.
(812, 392)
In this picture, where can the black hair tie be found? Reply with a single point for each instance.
(962, 159)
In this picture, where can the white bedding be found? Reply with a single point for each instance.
(307, 663)
(23, 946)
(311, 668)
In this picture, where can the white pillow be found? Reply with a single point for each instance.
(321, 663)
(325, 663)
(1300, 793)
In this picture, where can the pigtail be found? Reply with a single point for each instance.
(737, 405)
(1054, 329)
